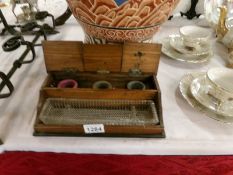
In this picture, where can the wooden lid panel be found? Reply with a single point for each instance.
(102, 57)
(142, 56)
(61, 55)
(76, 56)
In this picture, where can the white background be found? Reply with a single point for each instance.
(187, 130)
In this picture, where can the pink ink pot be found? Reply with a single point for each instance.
(68, 83)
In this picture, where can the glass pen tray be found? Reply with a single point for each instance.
(63, 111)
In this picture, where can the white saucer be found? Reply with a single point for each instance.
(184, 88)
(172, 53)
(176, 42)
(200, 92)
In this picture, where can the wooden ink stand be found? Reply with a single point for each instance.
(87, 63)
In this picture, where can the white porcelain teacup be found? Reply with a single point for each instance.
(194, 36)
(220, 84)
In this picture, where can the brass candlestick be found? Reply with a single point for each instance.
(225, 35)
(221, 27)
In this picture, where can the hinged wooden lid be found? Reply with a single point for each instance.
(102, 57)
(143, 57)
(76, 56)
(61, 55)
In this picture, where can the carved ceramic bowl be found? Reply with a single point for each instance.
(121, 20)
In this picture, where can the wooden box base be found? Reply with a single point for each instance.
(85, 81)
(113, 131)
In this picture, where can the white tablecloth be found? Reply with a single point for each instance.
(188, 132)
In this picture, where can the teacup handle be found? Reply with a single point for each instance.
(218, 101)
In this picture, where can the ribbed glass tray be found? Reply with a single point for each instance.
(61, 111)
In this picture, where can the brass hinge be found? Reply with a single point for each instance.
(70, 70)
(103, 71)
(136, 71)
